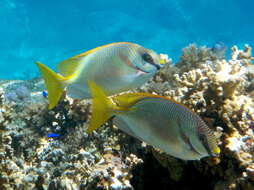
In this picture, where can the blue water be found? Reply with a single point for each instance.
(51, 31)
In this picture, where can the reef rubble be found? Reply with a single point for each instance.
(220, 90)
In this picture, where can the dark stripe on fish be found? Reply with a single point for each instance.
(148, 58)
(203, 132)
(157, 66)
(187, 140)
(204, 141)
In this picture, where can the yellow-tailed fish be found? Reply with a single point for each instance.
(115, 67)
(156, 120)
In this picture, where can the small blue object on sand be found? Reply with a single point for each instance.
(53, 135)
(44, 93)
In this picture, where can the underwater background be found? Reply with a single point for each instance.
(51, 31)
(205, 51)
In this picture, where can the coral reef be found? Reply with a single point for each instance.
(221, 91)
(74, 160)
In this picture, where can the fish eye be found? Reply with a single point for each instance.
(147, 58)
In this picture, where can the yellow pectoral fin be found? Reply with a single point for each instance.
(53, 83)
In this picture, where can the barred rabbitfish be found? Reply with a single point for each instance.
(156, 120)
(116, 67)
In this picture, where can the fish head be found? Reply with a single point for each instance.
(147, 60)
(210, 144)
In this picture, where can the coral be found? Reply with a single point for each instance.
(193, 56)
(31, 160)
(17, 92)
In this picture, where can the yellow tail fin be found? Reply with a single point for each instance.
(53, 84)
(102, 107)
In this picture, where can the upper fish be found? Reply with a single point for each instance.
(116, 67)
(156, 120)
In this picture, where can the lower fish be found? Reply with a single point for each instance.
(156, 120)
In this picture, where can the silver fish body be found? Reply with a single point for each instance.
(116, 68)
(168, 126)
(156, 120)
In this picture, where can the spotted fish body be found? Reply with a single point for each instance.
(156, 120)
(116, 67)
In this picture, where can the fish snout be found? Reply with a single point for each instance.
(157, 66)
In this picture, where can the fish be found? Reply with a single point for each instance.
(53, 135)
(156, 120)
(44, 93)
(117, 67)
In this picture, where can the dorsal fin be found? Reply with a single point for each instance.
(128, 99)
(69, 66)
